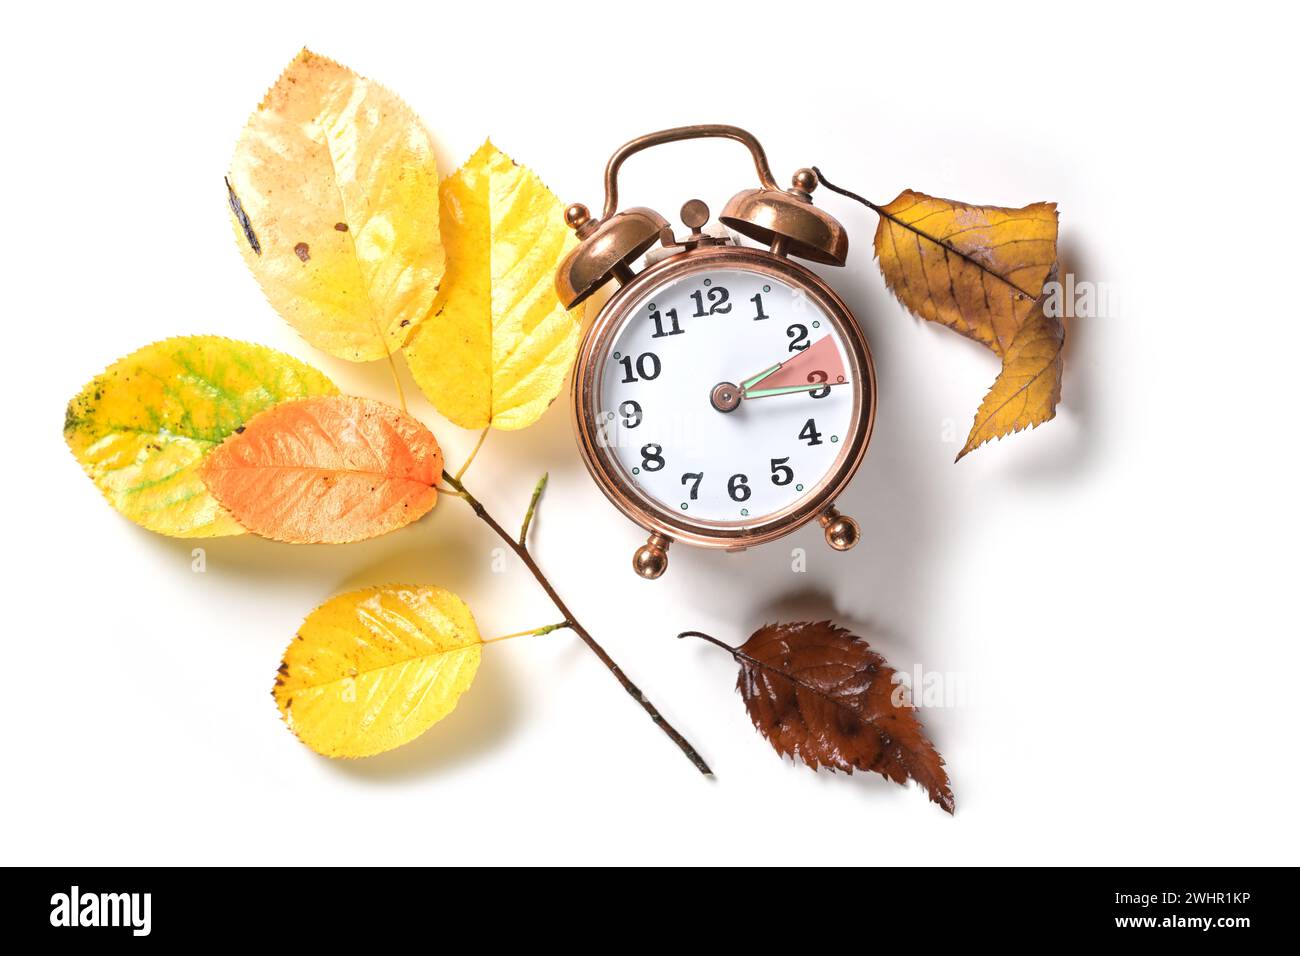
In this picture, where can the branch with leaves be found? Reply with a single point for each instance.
(371, 258)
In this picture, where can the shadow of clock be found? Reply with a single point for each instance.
(889, 578)
(908, 493)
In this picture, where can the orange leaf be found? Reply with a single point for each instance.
(326, 470)
(1028, 387)
(976, 269)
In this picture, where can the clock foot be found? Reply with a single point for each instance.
(842, 532)
(651, 559)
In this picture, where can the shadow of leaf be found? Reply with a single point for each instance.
(485, 715)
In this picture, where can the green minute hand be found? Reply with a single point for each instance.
(788, 389)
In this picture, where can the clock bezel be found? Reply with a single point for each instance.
(637, 506)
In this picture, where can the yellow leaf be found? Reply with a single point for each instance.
(498, 344)
(373, 669)
(142, 428)
(975, 269)
(1028, 387)
(333, 189)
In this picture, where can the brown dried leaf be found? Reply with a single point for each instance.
(976, 269)
(820, 694)
(982, 271)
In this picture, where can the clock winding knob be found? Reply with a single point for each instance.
(842, 532)
(651, 559)
(695, 215)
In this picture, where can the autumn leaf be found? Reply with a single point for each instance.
(143, 427)
(819, 694)
(982, 271)
(976, 269)
(373, 669)
(1029, 385)
(498, 344)
(333, 193)
(327, 470)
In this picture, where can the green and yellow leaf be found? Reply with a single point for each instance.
(976, 269)
(1028, 388)
(498, 344)
(373, 669)
(333, 190)
(327, 471)
(143, 427)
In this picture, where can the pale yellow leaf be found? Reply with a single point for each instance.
(334, 196)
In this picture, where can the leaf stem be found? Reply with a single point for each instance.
(535, 632)
(844, 192)
(577, 628)
(473, 453)
(532, 507)
(942, 243)
(712, 640)
(397, 379)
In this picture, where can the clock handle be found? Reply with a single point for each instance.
(706, 131)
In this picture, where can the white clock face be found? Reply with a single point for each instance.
(770, 347)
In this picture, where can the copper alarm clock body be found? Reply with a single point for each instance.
(826, 455)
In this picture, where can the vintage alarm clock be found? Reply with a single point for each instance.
(724, 395)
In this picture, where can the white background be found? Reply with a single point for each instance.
(1117, 586)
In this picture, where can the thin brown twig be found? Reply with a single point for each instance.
(578, 629)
